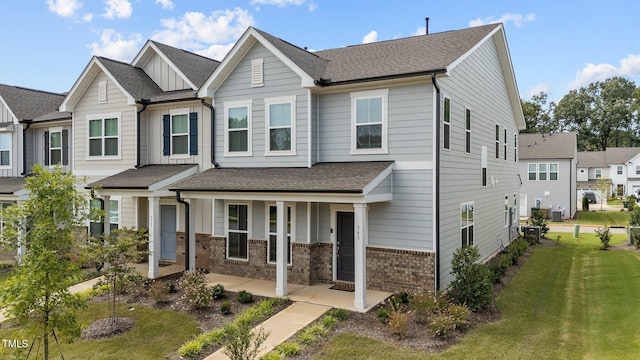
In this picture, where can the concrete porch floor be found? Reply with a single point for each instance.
(143, 269)
(319, 294)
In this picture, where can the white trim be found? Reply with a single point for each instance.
(102, 117)
(257, 72)
(268, 233)
(10, 150)
(226, 226)
(267, 139)
(177, 112)
(309, 128)
(370, 94)
(51, 131)
(446, 123)
(238, 104)
(142, 55)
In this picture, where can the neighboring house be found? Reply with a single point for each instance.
(138, 128)
(548, 173)
(367, 165)
(620, 165)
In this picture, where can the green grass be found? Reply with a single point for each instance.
(568, 302)
(156, 334)
(609, 218)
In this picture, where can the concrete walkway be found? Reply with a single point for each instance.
(282, 326)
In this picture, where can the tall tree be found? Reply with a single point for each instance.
(601, 113)
(37, 295)
(538, 114)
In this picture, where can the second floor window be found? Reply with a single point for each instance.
(238, 139)
(104, 136)
(280, 125)
(5, 149)
(598, 173)
(180, 133)
(56, 147)
(369, 121)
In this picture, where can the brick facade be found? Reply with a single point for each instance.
(397, 270)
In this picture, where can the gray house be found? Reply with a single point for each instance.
(548, 173)
(367, 165)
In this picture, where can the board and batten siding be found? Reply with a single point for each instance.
(279, 81)
(88, 105)
(477, 84)
(162, 74)
(36, 145)
(410, 109)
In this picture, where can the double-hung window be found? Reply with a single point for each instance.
(369, 121)
(237, 128)
(619, 170)
(599, 173)
(55, 147)
(497, 141)
(446, 124)
(542, 171)
(504, 141)
(272, 231)
(5, 150)
(533, 171)
(466, 222)
(553, 171)
(280, 125)
(180, 134)
(467, 132)
(238, 231)
(104, 135)
(96, 226)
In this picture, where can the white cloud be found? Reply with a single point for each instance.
(372, 36)
(166, 4)
(629, 67)
(537, 89)
(517, 19)
(282, 3)
(209, 35)
(420, 31)
(115, 46)
(64, 8)
(87, 17)
(118, 9)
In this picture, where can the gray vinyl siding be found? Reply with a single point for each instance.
(162, 74)
(37, 140)
(279, 81)
(561, 192)
(477, 84)
(410, 109)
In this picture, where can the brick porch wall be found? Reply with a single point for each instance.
(203, 250)
(396, 270)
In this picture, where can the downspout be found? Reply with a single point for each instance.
(213, 133)
(437, 181)
(144, 103)
(187, 230)
(24, 146)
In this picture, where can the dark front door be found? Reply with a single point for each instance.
(168, 232)
(345, 250)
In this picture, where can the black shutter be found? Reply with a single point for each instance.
(65, 147)
(46, 148)
(193, 133)
(166, 134)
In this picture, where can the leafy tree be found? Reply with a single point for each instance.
(37, 295)
(603, 185)
(473, 285)
(538, 115)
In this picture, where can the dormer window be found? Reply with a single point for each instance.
(257, 72)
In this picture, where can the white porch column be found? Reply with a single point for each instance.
(154, 237)
(106, 221)
(361, 238)
(192, 234)
(22, 248)
(281, 250)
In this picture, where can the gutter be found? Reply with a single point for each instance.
(436, 204)
(144, 103)
(327, 82)
(213, 133)
(187, 230)
(24, 145)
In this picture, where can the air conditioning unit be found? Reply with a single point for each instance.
(532, 234)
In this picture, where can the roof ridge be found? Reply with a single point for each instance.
(288, 43)
(115, 61)
(184, 50)
(35, 90)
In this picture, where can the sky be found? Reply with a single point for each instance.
(555, 46)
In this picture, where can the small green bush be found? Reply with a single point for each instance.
(217, 291)
(398, 323)
(441, 325)
(383, 315)
(245, 297)
(317, 330)
(272, 355)
(426, 303)
(190, 349)
(340, 314)
(159, 291)
(306, 338)
(289, 348)
(538, 219)
(195, 292)
(241, 342)
(329, 321)
(225, 307)
(472, 285)
(211, 338)
(460, 314)
(604, 234)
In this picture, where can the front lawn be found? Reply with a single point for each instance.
(609, 218)
(571, 301)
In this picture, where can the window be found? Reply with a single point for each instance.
(504, 141)
(281, 125)
(238, 128)
(637, 170)
(56, 147)
(619, 170)
(3, 207)
(483, 164)
(533, 171)
(104, 135)
(114, 214)
(369, 121)
(466, 223)
(272, 231)
(467, 140)
(257, 73)
(180, 133)
(553, 171)
(446, 128)
(514, 218)
(96, 227)
(515, 147)
(237, 231)
(542, 171)
(497, 141)
(599, 173)
(5, 149)
(506, 210)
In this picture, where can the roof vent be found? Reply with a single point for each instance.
(426, 28)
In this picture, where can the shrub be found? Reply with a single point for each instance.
(329, 321)
(159, 292)
(441, 325)
(472, 284)
(217, 291)
(460, 314)
(538, 219)
(339, 314)
(289, 348)
(245, 297)
(272, 355)
(383, 315)
(398, 323)
(195, 291)
(631, 199)
(241, 343)
(424, 304)
(585, 203)
(316, 330)
(190, 349)
(517, 248)
(225, 307)
(605, 236)
(306, 338)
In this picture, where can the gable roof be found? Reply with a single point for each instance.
(145, 177)
(616, 155)
(592, 159)
(547, 146)
(611, 156)
(27, 104)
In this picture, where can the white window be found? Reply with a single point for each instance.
(637, 170)
(102, 91)
(369, 121)
(533, 171)
(553, 171)
(114, 214)
(104, 135)
(238, 220)
(280, 129)
(504, 142)
(497, 141)
(446, 124)
(179, 132)
(515, 147)
(96, 227)
(619, 170)
(237, 128)
(467, 132)
(506, 210)
(542, 171)
(483, 165)
(466, 222)
(5, 150)
(272, 231)
(55, 147)
(599, 173)
(257, 72)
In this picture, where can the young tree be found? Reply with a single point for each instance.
(37, 295)
(603, 185)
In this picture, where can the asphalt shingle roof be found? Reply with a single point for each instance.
(547, 146)
(27, 104)
(9, 185)
(195, 67)
(141, 178)
(134, 80)
(592, 159)
(617, 155)
(348, 177)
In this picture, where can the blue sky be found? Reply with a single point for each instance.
(555, 46)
